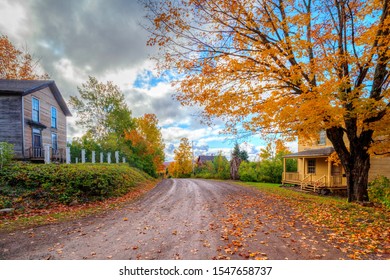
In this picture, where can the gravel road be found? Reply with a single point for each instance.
(178, 219)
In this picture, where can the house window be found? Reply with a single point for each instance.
(54, 142)
(322, 140)
(311, 166)
(35, 110)
(53, 117)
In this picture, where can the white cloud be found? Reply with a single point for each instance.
(13, 16)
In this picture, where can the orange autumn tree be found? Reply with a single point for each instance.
(16, 64)
(147, 144)
(291, 67)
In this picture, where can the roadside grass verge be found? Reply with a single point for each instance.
(362, 232)
(63, 213)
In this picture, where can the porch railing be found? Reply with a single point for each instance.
(320, 183)
(336, 180)
(291, 176)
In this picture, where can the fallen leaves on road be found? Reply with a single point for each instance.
(358, 231)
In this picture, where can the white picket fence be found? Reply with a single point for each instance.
(83, 158)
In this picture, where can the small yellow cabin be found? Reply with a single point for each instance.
(315, 172)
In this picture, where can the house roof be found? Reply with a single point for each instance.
(25, 87)
(207, 158)
(323, 152)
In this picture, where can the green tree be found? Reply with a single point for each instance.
(237, 157)
(102, 111)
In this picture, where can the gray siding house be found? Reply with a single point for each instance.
(32, 115)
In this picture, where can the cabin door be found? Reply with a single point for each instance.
(37, 143)
(337, 175)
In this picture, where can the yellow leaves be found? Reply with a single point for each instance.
(183, 160)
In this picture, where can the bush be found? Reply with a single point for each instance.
(6, 153)
(41, 184)
(379, 190)
(248, 171)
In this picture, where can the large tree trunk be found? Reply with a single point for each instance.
(355, 160)
(234, 165)
(357, 177)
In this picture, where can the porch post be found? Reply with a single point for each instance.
(83, 156)
(109, 157)
(47, 153)
(67, 155)
(328, 180)
(116, 156)
(284, 169)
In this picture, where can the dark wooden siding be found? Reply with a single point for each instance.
(11, 122)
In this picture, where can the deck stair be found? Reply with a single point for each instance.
(306, 183)
(319, 184)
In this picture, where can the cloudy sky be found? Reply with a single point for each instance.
(74, 39)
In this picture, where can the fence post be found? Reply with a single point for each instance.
(123, 160)
(83, 156)
(67, 155)
(93, 157)
(108, 157)
(116, 156)
(101, 157)
(47, 153)
(77, 160)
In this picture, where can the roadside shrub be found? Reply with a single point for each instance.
(6, 153)
(379, 190)
(42, 184)
(248, 171)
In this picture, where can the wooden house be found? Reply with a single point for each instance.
(33, 115)
(316, 172)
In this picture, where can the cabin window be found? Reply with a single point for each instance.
(322, 140)
(311, 166)
(53, 117)
(35, 110)
(54, 142)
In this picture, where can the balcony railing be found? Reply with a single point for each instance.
(38, 154)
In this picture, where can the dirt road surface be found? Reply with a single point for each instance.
(178, 219)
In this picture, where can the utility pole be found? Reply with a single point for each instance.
(193, 157)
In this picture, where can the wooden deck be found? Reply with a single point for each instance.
(317, 184)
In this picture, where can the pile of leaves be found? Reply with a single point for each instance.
(34, 186)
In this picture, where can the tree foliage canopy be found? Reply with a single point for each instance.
(182, 165)
(102, 111)
(286, 66)
(17, 64)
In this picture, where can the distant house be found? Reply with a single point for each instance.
(33, 115)
(201, 160)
